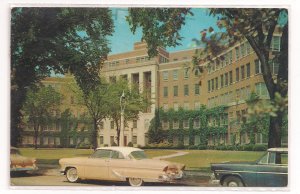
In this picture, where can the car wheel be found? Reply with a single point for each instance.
(135, 182)
(72, 175)
(233, 181)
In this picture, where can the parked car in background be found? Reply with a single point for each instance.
(21, 163)
(271, 170)
(121, 164)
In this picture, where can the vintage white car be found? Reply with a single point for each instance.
(120, 164)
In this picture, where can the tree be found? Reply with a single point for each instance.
(39, 105)
(257, 26)
(155, 130)
(135, 102)
(97, 103)
(55, 40)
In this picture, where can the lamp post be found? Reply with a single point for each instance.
(122, 126)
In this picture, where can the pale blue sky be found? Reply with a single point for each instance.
(123, 39)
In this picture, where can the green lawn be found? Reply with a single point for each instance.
(201, 159)
(195, 159)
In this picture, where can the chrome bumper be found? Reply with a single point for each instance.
(213, 179)
(171, 177)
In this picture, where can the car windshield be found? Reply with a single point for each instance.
(138, 155)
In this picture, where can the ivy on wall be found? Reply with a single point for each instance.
(205, 129)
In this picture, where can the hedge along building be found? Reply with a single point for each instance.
(180, 90)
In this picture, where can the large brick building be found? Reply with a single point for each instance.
(173, 83)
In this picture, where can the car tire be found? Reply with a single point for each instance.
(135, 182)
(72, 175)
(232, 181)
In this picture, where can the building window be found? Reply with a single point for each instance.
(248, 48)
(248, 70)
(175, 124)
(222, 80)
(212, 84)
(261, 90)
(165, 91)
(165, 107)
(243, 72)
(101, 140)
(186, 106)
(126, 61)
(196, 123)
(186, 90)
(274, 67)
(175, 90)
(229, 56)
(134, 139)
(237, 53)
(112, 124)
(186, 73)
(197, 106)
(165, 124)
(230, 77)
(165, 75)
(217, 83)
(197, 89)
(175, 106)
(275, 44)
(243, 53)
(134, 124)
(257, 66)
(237, 74)
(186, 123)
(226, 79)
(208, 85)
(175, 74)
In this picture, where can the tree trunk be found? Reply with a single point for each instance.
(36, 134)
(275, 131)
(95, 134)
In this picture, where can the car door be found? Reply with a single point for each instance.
(118, 166)
(272, 170)
(96, 166)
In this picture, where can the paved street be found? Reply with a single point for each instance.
(51, 177)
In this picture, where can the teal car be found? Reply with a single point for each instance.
(271, 170)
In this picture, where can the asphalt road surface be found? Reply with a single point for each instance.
(53, 178)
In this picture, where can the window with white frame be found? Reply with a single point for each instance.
(237, 53)
(176, 106)
(257, 66)
(165, 124)
(165, 75)
(197, 106)
(196, 123)
(165, 107)
(175, 124)
(261, 90)
(275, 43)
(186, 123)
(175, 74)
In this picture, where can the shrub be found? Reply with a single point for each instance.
(84, 145)
(259, 147)
(130, 144)
(202, 147)
(114, 144)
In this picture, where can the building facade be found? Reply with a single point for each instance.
(173, 82)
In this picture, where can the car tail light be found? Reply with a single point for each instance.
(165, 169)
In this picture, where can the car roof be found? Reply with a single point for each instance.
(278, 149)
(124, 150)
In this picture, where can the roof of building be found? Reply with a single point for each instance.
(124, 150)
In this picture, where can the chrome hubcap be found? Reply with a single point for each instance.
(233, 184)
(72, 175)
(135, 181)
